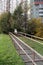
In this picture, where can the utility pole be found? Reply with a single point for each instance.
(9, 15)
(4, 5)
(25, 9)
(25, 14)
(8, 6)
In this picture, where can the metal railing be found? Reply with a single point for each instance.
(32, 36)
(15, 39)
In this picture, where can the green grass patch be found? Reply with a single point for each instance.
(35, 45)
(40, 41)
(8, 54)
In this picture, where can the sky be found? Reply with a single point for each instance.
(13, 6)
(3, 5)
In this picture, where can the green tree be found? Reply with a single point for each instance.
(5, 22)
(18, 18)
(31, 28)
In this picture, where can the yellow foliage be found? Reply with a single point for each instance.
(39, 26)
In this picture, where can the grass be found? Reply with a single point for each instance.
(35, 45)
(40, 41)
(8, 54)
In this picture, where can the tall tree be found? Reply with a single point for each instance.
(5, 23)
(18, 18)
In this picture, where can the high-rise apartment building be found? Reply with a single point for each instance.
(36, 8)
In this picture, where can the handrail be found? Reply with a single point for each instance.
(28, 46)
(23, 50)
(32, 36)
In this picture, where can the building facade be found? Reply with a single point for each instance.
(36, 8)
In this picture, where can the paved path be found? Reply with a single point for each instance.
(29, 56)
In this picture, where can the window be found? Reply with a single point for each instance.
(36, 0)
(41, 0)
(41, 8)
